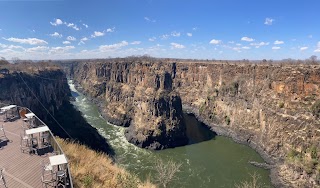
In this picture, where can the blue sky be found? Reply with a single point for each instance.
(203, 29)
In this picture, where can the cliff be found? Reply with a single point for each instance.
(272, 108)
(145, 102)
(43, 88)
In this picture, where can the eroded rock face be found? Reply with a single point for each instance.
(137, 97)
(157, 122)
(265, 106)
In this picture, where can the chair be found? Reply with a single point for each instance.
(25, 143)
(61, 177)
(3, 136)
(2, 178)
(46, 168)
(45, 139)
(34, 145)
(2, 116)
(48, 177)
(25, 125)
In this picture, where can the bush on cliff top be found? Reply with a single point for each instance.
(315, 108)
(92, 169)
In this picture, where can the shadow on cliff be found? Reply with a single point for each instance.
(197, 131)
(78, 128)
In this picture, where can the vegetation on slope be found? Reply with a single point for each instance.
(92, 169)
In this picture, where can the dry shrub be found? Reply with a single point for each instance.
(253, 183)
(96, 170)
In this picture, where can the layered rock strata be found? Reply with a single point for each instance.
(271, 107)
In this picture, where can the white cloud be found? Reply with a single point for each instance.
(195, 29)
(136, 42)
(175, 34)
(56, 34)
(189, 34)
(177, 46)
(276, 48)
(81, 42)
(56, 50)
(231, 42)
(30, 41)
(258, 45)
(214, 41)
(164, 37)
(73, 26)
(246, 47)
(238, 44)
(97, 34)
(152, 39)
(85, 25)
(318, 47)
(12, 47)
(149, 19)
(38, 49)
(71, 38)
(269, 21)
(60, 22)
(110, 30)
(56, 22)
(248, 39)
(310, 36)
(66, 42)
(278, 42)
(238, 49)
(104, 48)
(303, 48)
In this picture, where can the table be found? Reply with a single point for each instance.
(61, 174)
(58, 160)
(29, 115)
(6, 108)
(37, 130)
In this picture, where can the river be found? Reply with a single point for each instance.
(209, 160)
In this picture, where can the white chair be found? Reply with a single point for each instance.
(3, 136)
(2, 178)
(48, 177)
(25, 143)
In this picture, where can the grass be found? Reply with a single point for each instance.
(96, 170)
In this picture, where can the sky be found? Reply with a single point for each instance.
(196, 29)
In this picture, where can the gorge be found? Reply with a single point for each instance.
(266, 106)
(273, 108)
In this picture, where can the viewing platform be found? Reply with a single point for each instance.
(29, 154)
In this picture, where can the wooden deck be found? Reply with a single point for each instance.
(19, 169)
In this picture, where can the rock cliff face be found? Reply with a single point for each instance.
(272, 108)
(140, 98)
(44, 89)
(47, 88)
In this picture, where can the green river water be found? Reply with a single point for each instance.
(209, 161)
